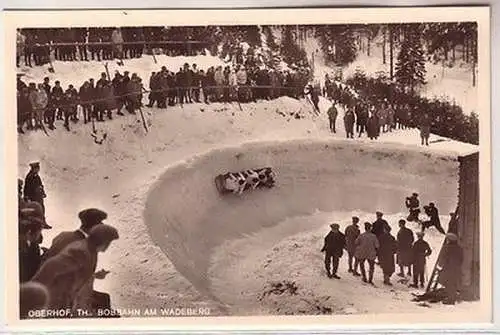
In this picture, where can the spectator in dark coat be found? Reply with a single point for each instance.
(33, 186)
(433, 214)
(31, 221)
(351, 234)
(388, 248)
(86, 96)
(57, 98)
(332, 117)
(379, 225)
(349, 123)
(66, 273)
(372, 126)
(420, 251)
(366, 250)
(333, 249)
(451, 263)
(405, 242)
(425, 129)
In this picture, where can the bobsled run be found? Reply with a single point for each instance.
(238, 182)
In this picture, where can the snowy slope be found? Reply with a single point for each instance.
(118, 176)
(452, 84)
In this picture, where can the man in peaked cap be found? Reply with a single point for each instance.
(33, 186)
(333, 249)
(89, 218)
(66, 273)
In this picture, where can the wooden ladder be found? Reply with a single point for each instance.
(436, 271)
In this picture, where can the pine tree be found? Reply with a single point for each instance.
(290, 50)
(410, 66)
(270, 39)
(338, 43)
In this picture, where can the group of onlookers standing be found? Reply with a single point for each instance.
(376, 245)
(61, 277)
(372, 118)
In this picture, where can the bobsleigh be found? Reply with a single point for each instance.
(266, 179)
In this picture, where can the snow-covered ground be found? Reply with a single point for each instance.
(326, 171)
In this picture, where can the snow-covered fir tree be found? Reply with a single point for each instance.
(410, 65)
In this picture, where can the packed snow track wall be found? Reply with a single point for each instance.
(188, 218)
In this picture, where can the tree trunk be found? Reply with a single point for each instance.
(445, 49)
(453, 53)
(464, 51)
(383, 48)
(368, 45)
(391, 52)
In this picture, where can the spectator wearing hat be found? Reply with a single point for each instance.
(89, 218)
(33, 186)
(30, 236)
(366, 250)
(32, 297)
(66, 273)
(413, 205)
(386, 252)
(351, 234)
(379, 225)
(405, 241)
(451, 273)
(433, 214)
(420, 251)
(333, 248)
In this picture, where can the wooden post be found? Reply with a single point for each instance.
(469, 225)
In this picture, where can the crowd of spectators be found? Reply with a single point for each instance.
(58, 281)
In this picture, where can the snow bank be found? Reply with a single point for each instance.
(189, 220)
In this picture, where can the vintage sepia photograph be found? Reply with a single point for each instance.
(252, 163)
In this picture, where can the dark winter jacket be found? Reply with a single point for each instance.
(29, 260)
(366, 246)
(420, 251)
(378, 226)
(33, 187)
(334, 244)
(405, 241)
(388, 248)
